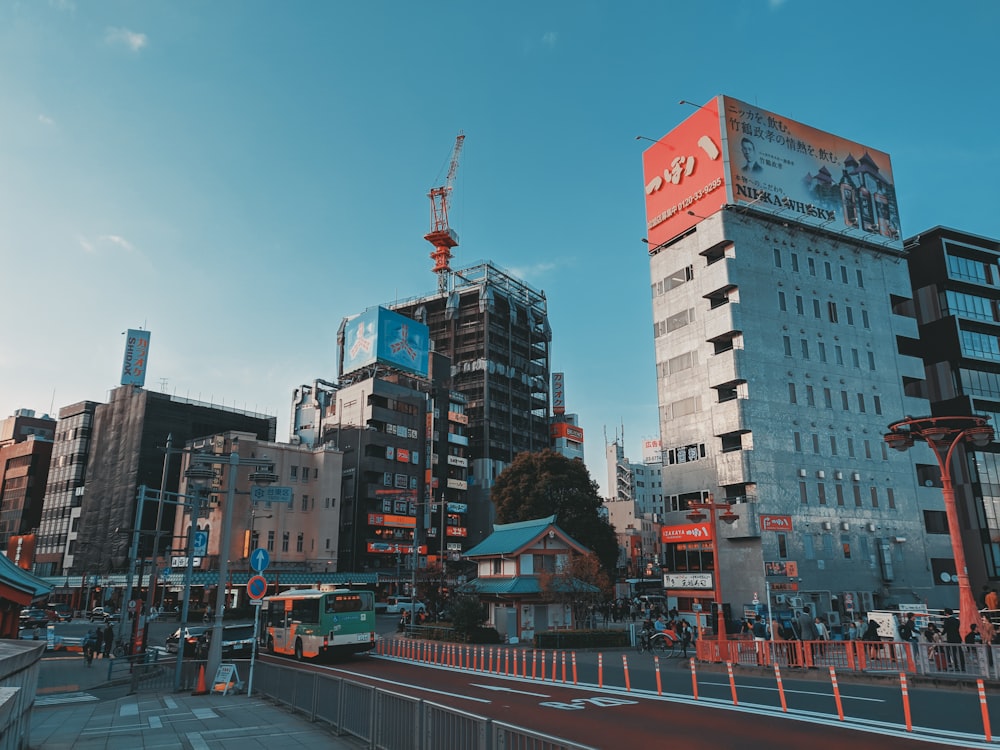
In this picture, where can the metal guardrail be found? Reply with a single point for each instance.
(386, 720)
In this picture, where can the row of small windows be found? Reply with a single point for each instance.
(832, 312)
(816, 444)
(971, 306)
(980, 345)
(812, 267)
(971, 270)
(809, 393)
(805, 351)
(819, 494)
(674, 322)
(673, 280)
(980, 383)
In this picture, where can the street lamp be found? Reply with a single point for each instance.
(944, 434)
(696, 515)
(262, 475)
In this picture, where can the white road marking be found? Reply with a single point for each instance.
(129, 709)
(155, 723)
(508, 690)
(58, 699)
(204, 713)
(740, 686)
(406, 684)
(169, 702)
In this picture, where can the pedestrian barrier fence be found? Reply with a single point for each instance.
(386, 720)
(932, 659)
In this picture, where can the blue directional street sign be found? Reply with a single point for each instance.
(272, 495)
(200, 543)
(259, 559)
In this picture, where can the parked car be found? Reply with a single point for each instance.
(399, 604)
(59, 611)
(101, 613)
(191, 635)
(32, 617)
(237, 642)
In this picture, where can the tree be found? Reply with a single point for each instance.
(536, 485)
(580, 584)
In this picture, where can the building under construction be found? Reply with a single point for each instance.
(495, 329)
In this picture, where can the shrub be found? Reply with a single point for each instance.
(582, 639)
(484, 635)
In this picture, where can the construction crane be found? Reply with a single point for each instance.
(442, 236)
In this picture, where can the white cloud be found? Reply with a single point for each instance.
(87, 245)
(114, 239)
(531, 273)
(549, 38)
(131, 39)
(93, 246)
(46, 120)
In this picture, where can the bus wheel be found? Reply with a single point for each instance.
(298, 650)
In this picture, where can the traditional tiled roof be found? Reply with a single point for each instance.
(522, 585)
(511, 538)
(20, 585)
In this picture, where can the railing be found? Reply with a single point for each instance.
(933, 659)
(387, 720)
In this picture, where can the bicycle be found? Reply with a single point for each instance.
(88, 651)
(665, 642)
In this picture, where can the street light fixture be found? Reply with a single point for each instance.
(696, 515)
(943, 435)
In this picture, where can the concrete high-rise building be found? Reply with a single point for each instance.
(64, 489)
(781, 314)
(25, 455)
(127, 444)
(956, 277)
(495, 329)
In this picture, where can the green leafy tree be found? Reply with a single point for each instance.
(536, 485)
(580, 584)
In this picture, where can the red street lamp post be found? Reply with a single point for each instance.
(727, 516)
(943, 434)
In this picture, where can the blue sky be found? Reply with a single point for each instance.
(238, 176)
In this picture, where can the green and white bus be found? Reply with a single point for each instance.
(311, 623)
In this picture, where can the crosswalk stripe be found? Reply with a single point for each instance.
(58, 699)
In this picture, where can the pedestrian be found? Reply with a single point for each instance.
(908, 630)
(992, 600)
(98, 641)
(952, 635)
(109, 640)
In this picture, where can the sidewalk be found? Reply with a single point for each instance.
(81, 712)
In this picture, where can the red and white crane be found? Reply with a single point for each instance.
(442, 236)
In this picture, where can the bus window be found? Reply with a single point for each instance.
(305, 610)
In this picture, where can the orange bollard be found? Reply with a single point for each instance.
(554, 655)
(600, 670)
(491, 659)
(732, 682)
(574, 667)
(506, 661)
(524, 665)
(534, 663)
(564, 667)
(628, 682)
(906, 701)
(781, 688)
(543, 665)
(694, 681)
(659, 683)
(836, 693)
(986, 712)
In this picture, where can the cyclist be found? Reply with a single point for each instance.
(89, 646)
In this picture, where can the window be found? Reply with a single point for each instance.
(868, 449)
(828, 398)
(843, 274)
(831, 310)
(861, 403)
(874, 494)
(890, 497)
(791, 394)
(845, 546)
(797, 440)
(805, 348)
(822, 492)
(777, 258)
(782, 547)
(284, 541)
(850, 315)
(865, 322)
(270, 541)
(497, 567)
(840, 495)
(833, 445)
(781, 302)
(815, 443)
(828, 269)
(844, 402)
(803, 494)
(840, 354)
(857, 496)
(817, 309)
(293, 473)
(305, 502)
(861, 279)
(936, 521)
(795, 262)
(787, 340)
(810, 396)
(822, 351)
(850, 447)
(877, 400)
(811, 264)
(299, 542)
(856, 358)
(799, 305)
(871, 360)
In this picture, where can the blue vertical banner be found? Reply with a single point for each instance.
(136, 357)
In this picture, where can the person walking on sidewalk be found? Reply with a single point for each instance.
(109, 640)
(952, 634)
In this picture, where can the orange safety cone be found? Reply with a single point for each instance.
(201, 688)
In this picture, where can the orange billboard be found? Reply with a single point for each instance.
(807, 175)
(685, 176)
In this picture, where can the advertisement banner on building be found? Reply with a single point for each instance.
(775, 523)
(652, 451)
(781, 568)
(388, 519)
(21, 550)
(136, 357)
(380, 335)
(687, 581)
(808, 175)
(558, 393)
(684, 175)
(689, 532)
(571, 432)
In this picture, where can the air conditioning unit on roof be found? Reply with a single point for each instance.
(795, 602)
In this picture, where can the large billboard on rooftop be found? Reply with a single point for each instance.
(381, 335)
(773, 164)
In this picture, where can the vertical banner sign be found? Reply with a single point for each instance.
(558, 393)
(136, 356)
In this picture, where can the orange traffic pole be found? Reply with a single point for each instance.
(694, 680)
(986, 712)
(543, 665)
(524, 664)
(906, 701)
(564, 666)
(534, 663)
(781, 688)
(554, 666)
(506, 661)
(836, 693)
(732, 682)
(628, 682)
(491, 659)
(600, 670)
(574, 667)
(659, 684)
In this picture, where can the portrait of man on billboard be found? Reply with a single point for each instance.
(749, 149)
